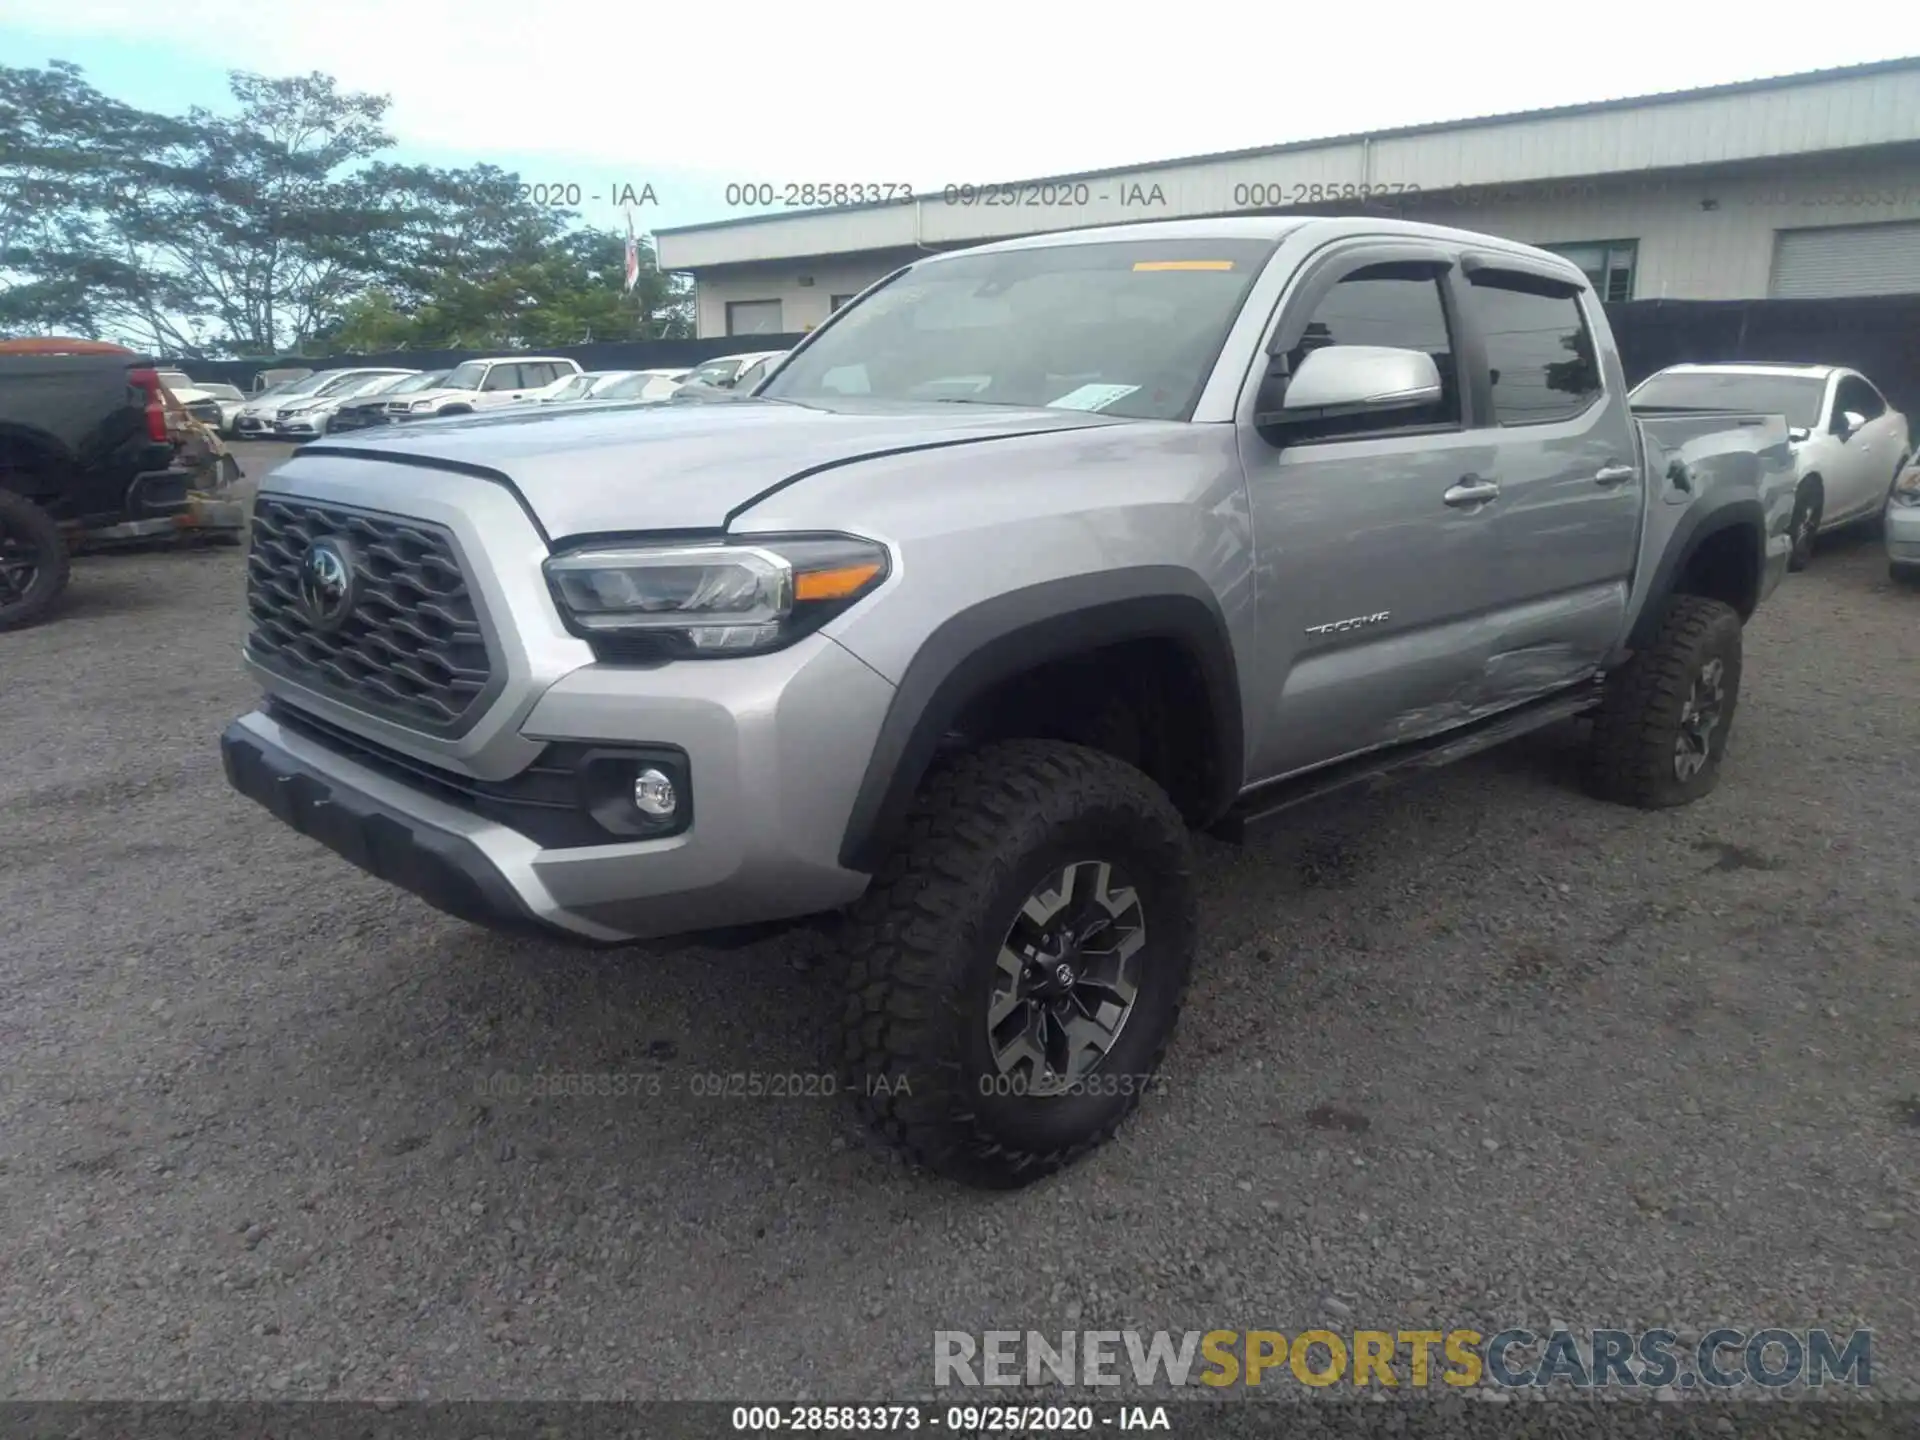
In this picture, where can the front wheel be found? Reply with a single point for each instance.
(1662, 726)
(1017, 967)
(33, 561)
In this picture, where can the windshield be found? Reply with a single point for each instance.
(222, 392)
(628, 387)
(411, 383)
(714, 372)
(1127, 328)
(467, 376)
(377, 385)
(344, 383)
(307, 385)
(573, 387)
(1795, 396)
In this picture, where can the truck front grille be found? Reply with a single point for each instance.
(411, 649)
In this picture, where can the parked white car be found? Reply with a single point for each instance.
(483, 384)
(655, 386)
(211, 402)
(1903, 526)
(227, 400)
(1849, 445)
(307, 417)
(734, 372)
(569, 388)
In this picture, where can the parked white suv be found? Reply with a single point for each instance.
(481, 384)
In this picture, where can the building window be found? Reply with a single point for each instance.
(1609, 265)
(840, 300)
(753, 317)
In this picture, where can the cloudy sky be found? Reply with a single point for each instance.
(692, 97)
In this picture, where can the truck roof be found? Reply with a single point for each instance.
(1277, 228)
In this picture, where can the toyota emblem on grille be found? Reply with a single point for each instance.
(327, 583)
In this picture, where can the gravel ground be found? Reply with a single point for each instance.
(1477, 1052)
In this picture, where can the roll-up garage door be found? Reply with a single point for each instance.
(1847, 260)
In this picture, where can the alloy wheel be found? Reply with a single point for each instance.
(1699, 719)
(1806, 527)
(1067, 978)
(20, 562)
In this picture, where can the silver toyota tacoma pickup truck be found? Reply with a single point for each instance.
(1031, 562)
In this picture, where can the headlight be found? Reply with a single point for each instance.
(423, 404)
(716, 599)
(1906, 490)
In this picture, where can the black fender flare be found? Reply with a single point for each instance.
(1699, 525)
(49, 455)
(1002, 637)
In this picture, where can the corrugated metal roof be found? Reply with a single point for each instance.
(1637, 102)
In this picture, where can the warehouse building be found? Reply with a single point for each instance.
(1804, 186)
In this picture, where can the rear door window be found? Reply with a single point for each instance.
(1857, 395)
(1541, 353)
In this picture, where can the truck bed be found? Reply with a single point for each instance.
(1696, 455)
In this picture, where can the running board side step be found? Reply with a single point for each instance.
(1379, 768)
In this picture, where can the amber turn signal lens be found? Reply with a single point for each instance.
(833, 584)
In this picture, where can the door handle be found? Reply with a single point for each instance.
(1471, 490)
(1614, 474)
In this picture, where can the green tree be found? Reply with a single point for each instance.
(66, 152)
(568, 291)
(279, 227)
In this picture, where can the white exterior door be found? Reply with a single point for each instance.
(1867, 455)
(503, 384)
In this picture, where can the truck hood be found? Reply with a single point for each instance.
(642, 467)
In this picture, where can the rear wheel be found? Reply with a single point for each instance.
(1808, 504)
(1661, 729)
(1902, 573)
(1018, 966)
(33, 561)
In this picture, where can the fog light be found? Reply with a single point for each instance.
(653, 794)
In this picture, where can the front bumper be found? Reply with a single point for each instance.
(407, 840)
(298, 429)
(1903, 534)
(774, 754)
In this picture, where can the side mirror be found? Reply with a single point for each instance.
(1357, 379)
(1849, 423)
(1797, 433)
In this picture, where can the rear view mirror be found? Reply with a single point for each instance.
(1357, 379)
